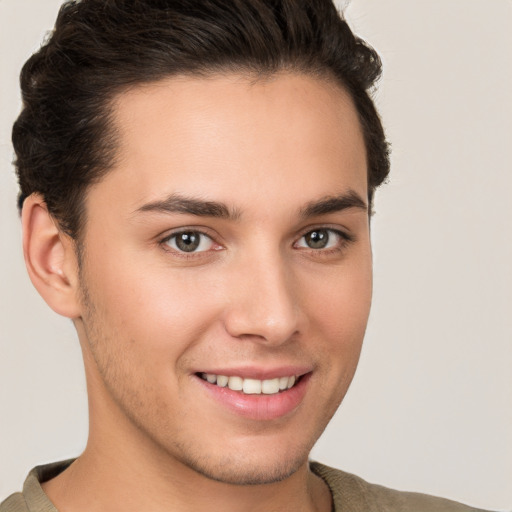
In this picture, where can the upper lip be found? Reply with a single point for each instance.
(257, 372)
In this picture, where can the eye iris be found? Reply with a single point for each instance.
(317, 239)
(188, 241)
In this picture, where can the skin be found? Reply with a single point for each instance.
(255, 295)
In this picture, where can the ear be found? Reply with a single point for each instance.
(50, 258)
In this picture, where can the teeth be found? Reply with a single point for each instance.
(222, 381)
(236, 383)
(270, 387)
(251, 386)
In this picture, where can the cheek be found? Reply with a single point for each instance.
(155, 313)
(340, 302)
(339, 307)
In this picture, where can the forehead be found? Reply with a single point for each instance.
(231, 138)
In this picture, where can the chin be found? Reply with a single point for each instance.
(248, 463)
(241, 471)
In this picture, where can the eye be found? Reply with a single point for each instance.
(189, 241)
(322, 239)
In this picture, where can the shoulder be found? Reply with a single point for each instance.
(33, 498)
(351, 493)
(14, 503)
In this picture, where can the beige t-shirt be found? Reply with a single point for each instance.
(349, 492)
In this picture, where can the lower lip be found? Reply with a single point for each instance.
(259, 407)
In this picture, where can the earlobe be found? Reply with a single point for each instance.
(50, 258)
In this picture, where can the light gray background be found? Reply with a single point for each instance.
(431, 405)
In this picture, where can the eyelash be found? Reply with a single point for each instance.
(344, 240)
(183, 254)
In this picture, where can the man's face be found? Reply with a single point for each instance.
(228, 248)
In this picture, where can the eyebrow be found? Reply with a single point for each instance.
(333, 204)
(176, 203)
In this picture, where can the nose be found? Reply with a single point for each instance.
(263, 303)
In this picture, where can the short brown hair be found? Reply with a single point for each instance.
(64, 139)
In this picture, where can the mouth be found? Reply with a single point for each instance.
(251, 386)
(277, 393)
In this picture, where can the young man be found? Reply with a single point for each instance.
(196, 188)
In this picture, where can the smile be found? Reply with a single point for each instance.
(277, 393)
(251, 386)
